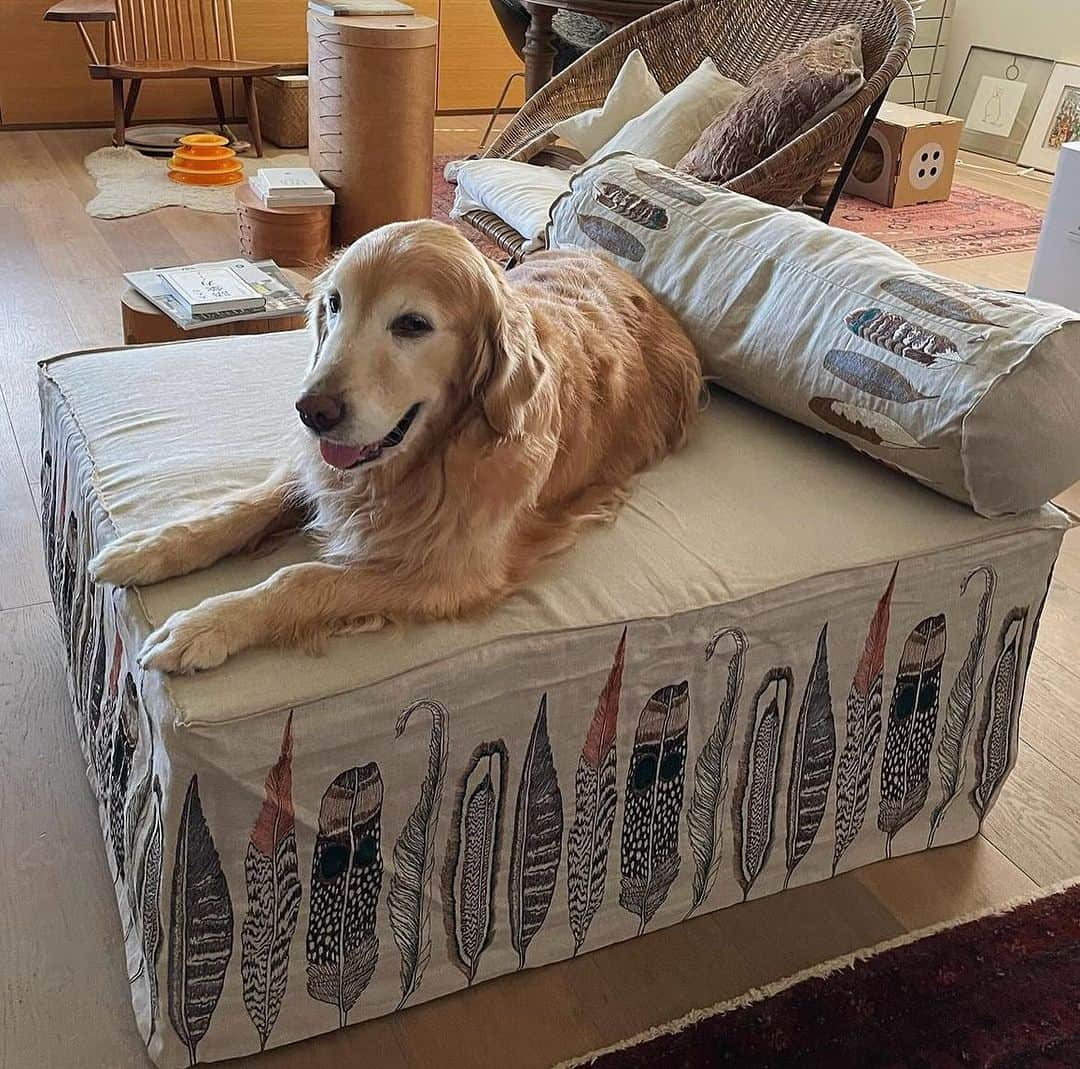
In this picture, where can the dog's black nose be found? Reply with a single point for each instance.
(320, 412)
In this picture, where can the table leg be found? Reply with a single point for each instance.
(539, 52)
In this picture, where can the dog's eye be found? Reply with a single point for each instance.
(410, 325)
(333, 302)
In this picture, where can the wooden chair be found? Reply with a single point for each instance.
(163, 39)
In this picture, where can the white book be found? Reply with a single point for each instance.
(360, 7)
(290, 196)
(275, 178)
(212, 287)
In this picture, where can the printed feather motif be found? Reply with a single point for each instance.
(409, 898)
(595, 799)
(753, 807)
(812, 760)
(994, 742)
(653, 804)
(125, 739)
(346, 879)
(200, 926)
(933, 301)
(673, 187)
(960, 709)
(611, 237)
(632, 206)
(905, 763)
(864, 423)
(149, 899)
(471, 868)
(536, 849)
(135, 810)
(703, 822)
(272, 875)
(898, 335)
(856, 762)
(873, 377)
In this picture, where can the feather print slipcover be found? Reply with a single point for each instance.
(680, 711)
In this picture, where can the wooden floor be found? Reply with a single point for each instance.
(63, 992)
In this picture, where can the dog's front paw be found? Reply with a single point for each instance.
(188, 641)
(134, 559)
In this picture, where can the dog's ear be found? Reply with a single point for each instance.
(509, 365)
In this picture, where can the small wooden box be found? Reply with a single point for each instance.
(291, 237)
(283, 109)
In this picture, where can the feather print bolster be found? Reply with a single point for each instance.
(595, 800)
(536, 848)
(995, 745)
(272, 876)
(754, 804)
(409, 898)
(653, 804)
(863, 730)
(960, 710)
(905, 763)
(471, 869)
(703, 823)
(200, 927)
(346, 879)
(812, 760)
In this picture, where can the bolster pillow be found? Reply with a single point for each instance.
(972, 392)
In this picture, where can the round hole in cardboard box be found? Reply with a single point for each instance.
(871, 161)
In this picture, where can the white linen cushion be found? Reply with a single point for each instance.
(633, 92)
(671, 127)
(520, 194)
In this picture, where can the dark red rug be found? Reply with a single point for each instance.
(1000, 991)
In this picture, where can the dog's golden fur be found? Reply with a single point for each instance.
(542, 391)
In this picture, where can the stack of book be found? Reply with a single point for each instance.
(226, 291)
(290, 187)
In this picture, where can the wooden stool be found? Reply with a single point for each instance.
(371, 104)
(291, 237)
(146, 325)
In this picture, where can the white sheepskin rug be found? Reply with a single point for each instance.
(130, 183)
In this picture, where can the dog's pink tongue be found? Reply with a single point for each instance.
(340, 456)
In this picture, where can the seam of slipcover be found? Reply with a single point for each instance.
(201, 724)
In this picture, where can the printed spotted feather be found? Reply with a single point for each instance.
(611, 237)
(200, 926)
(905, 763)
(678, 188)
(471, 869)
(595, 800)
(653, 804)
(960, 710)
(812, 759)
(864, 423)
(125, 739)
(272, 875)
(630, 205)
(933, 301)
(409, 898)
(994, 741)
(898, 335)
(149, 901)
(346, 880)
(753, 808)
(536, 848)
(134, 814)
(856, 762)
(703, 823)
(873, 377)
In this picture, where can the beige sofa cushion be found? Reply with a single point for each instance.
(972, 392)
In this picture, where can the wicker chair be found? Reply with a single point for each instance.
(740, 36)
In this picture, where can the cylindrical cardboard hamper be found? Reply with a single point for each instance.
(371, 104)
(291, 237)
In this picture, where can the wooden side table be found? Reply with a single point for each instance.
(146, 325)
(291, 237)
(371, 123)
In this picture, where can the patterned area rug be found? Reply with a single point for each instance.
(1001, 990)
(970, 223)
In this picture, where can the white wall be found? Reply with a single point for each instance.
(1049, 28)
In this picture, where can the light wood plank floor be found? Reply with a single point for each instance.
(63, 992)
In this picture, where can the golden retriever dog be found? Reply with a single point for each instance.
(460, 424)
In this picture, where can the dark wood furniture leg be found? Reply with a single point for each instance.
(253, 114)
(539, 52)
(132, 97)
(852, 156)
(118, 112)
(219, 102)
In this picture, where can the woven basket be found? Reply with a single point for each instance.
(283, 110)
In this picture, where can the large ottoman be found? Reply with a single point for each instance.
(782, 661)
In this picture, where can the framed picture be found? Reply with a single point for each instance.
(998, 96)
(1056, 121)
